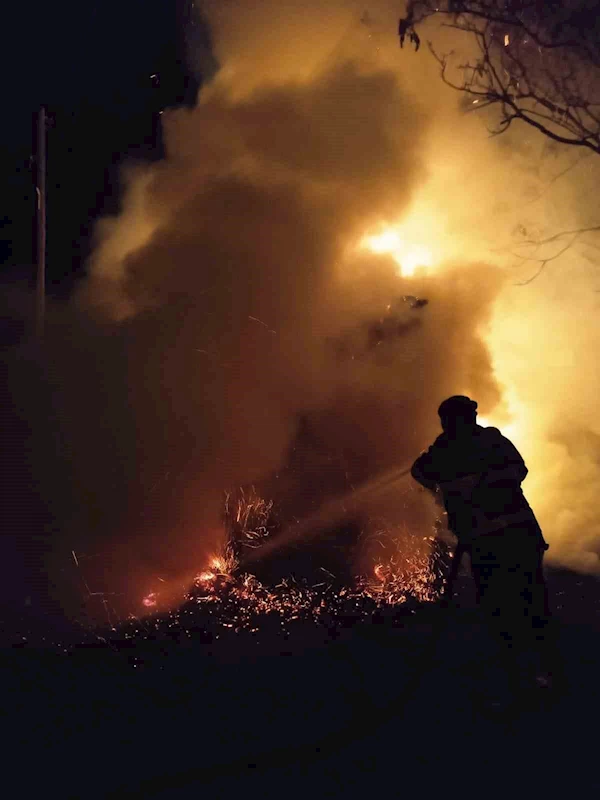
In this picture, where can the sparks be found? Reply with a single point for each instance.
(218, 563)
(224, 597)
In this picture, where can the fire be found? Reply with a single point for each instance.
(238, 600)
(224, 595)
(205, 577)
(219, 564)
(150, 600)
(408, 256)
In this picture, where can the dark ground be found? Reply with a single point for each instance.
(382, 709)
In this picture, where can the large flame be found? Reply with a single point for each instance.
(417, 240)
(409, 257)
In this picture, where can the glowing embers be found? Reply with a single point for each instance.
(150, 600)
(205, 577)
(408, 256)
(241, 601)
(402, 570)
(219, 567)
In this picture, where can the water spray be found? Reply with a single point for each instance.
(329, 513)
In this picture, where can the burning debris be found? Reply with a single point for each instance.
(223, 604)
(248, 520)
(396, 322)
(225, 597)
(305, 568)
(227, 600)
(415, 302)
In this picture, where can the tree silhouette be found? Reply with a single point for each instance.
(537, 61)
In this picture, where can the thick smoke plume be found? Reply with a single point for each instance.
(236, 330)
(250, 305)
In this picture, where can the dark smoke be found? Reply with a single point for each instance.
(232, 332)
(236, 310)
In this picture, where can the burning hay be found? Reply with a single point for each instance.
(224, 597)
(248, 520)
(226, 600)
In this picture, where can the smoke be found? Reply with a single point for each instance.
(544, 341)
(236, 329)
(237, 273)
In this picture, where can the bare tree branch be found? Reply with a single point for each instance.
(538, 63)
(538, 243)
(555, 178)
(576, 232)
(545, 261)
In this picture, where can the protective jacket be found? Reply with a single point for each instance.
(493, 502)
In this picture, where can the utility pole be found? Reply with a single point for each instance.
(40, 288)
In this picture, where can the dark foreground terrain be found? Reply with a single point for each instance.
(391, 708)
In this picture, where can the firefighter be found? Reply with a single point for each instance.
(478, 473)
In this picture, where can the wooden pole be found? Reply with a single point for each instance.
(41, 224)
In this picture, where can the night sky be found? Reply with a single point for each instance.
(91, 64)
(104, 71)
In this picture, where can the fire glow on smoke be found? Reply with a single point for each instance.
(392, 582)
(259, 278)
(238, 599)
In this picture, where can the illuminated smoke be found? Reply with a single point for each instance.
(255, 313)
